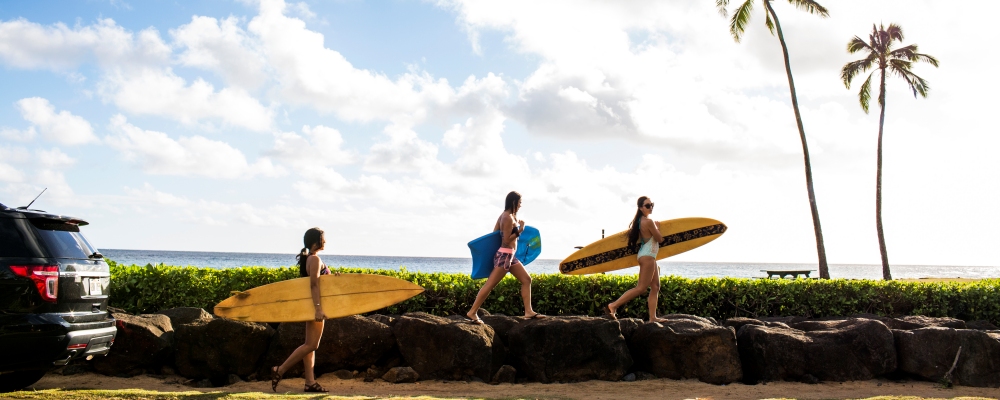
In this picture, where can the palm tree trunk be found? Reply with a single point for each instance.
(878, 185)
(824, 271)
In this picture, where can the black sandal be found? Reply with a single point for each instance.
(275, 378)
(477, 320)
(315, 388)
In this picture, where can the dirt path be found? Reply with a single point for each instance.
(651, 389)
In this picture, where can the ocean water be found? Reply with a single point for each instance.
(464, 265)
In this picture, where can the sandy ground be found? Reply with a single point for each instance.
(649, 389)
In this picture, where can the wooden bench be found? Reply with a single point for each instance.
(791, 274)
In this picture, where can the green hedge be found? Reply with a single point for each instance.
(145, 289)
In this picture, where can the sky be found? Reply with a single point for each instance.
(399, 127)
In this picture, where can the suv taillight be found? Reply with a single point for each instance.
(46, 278)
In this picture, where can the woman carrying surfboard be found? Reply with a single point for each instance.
(309, 265)
(504, 261)
(649, 273)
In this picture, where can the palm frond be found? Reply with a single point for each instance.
(740, 19)
(769, 23)
(721, 5)
(895, 32)
(856, 45)
(810, 6)
(927, 58)
(865, 94)
(917, 84)
(854, 68)
(905, 53)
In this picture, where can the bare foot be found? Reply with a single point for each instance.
(612, 311)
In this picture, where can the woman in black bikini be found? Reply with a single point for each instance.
(504, 260)
(309, 265)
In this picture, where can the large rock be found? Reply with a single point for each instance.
(569, 349)
(853, 349)
(737, 322)
(143, 342)
(684, 348)
(919, 321)
(213, 349)
(930, 352)
(186, 315)
(442, 348)
(352, 343)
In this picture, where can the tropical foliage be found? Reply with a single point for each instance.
(145, 289)
(881, 57)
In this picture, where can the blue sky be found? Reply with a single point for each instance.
(399, 126)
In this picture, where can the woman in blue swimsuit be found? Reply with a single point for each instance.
(649, 273)
(309, 265)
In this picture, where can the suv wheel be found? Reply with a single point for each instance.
(18, 380)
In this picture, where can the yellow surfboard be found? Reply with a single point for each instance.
(612, 253)
(291, 300)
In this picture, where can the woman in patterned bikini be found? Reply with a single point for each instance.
(504, 260)
(649, 273)
(309, 265)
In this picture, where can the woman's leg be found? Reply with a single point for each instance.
(644, 274)
(654, 289)
(484, 292)
(314, 330)
(521, 274)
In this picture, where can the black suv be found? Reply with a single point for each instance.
(53, 296)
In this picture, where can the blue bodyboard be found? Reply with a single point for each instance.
(529, 246)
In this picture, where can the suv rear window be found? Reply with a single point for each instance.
(62, 239)
(11, 241)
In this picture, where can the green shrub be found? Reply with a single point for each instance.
(144, 289)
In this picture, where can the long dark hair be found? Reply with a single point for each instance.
(634, 228)
(510, 203)
(312, 237)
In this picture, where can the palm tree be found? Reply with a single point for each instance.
(899, 61)
(737, 25)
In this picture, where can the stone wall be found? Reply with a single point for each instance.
(202, 348)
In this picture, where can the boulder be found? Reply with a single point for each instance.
(401, 375)
(737, 322)
(506, 374)
(685, 348)
(501, 325)
(352, 342)
(385, 319)
(186, 315)
(628, 326)
(846, 350)
(929, 353)
(570, 349)
(441, 348)
(143, 342)
(919, 321)
(215, 348)
(981, 325)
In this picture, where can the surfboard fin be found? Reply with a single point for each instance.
(239, 294)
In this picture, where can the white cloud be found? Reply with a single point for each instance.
(18, 135)
(222, 46)
(57, 47)
(10, 174)
(318, 146)
(62, 127)
(403, 152)
(158, 154)
(163, 93)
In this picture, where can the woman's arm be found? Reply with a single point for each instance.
(653, 229)
(312, 267)
(506, 228)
